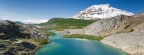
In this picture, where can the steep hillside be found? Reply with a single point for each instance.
(116, 25)
(102, 11)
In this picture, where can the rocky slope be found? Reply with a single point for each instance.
(116, 24)
(102, 11)
(123, 32)
(18, 39)
(131, 43)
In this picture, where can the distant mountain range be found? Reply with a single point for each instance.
(102, 11)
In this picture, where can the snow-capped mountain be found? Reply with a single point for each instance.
(102, 11)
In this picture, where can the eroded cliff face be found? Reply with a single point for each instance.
(18, 39)
(115, 25)
(103, 26)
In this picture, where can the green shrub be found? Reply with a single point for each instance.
(83, 36)
(127, 26)
(50, 34)
(131, 30)
(43, 41)
(65, 23)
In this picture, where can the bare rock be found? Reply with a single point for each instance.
(131, 43)
(104, 25)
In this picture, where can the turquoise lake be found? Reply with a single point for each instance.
(68, 46)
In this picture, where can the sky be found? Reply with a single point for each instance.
(43, 10)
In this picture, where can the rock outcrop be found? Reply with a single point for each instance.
(23, 48)
(8, 30)
(18, 39)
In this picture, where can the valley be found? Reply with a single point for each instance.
(97, 30)
(123, 32)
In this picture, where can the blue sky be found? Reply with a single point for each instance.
(46, 9)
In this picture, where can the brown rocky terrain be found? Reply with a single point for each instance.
(131, 43)
(19, 39)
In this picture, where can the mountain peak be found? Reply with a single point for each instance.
(107, 5)
(101, 11)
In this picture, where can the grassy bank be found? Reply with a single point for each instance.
(83, 36)
(50, 34)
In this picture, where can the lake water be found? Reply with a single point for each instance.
(67, 46)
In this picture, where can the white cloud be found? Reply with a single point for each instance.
(34, 21)
(22, 18)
